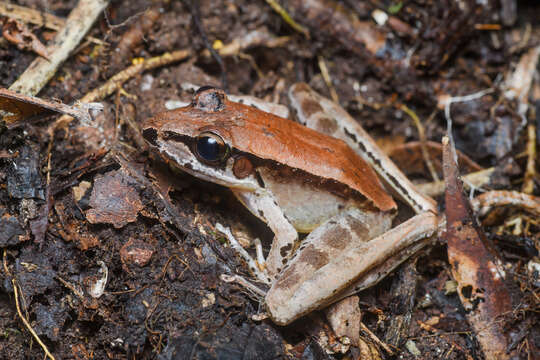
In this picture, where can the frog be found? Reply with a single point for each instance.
(316, 175)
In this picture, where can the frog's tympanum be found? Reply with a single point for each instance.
(297, 179)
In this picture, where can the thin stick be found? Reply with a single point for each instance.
(477, 179)
(32, 16)
(530, 171)
(482, 204)
(374, 337)
(79, 21)
(326, 76)
(26, 323)
(422, 137)
(287, 18)
(448, 101)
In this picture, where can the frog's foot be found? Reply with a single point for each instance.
(258, 267)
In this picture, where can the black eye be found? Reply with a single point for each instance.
(211, 148)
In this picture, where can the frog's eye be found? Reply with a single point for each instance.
(211, 148)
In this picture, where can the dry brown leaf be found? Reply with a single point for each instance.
(17, 33)
(22, 107)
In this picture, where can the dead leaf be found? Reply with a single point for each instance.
(484, 287)
(114, 200)
(17, 33)
(23, 107)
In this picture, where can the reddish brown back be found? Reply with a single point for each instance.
(273, 138)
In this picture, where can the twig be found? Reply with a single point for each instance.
(485, 202)
(73, 288)
(374, 337)
(530, 171)
(422, 137)
(258, 37)
(77, 25)
(19, 312)
(326, 76)
(32, 16)
(476, 179)
(287, 18)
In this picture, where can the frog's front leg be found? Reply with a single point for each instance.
(263, 205)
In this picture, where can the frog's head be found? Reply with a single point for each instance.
(196, 138)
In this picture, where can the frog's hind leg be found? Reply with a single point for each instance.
(320, 274)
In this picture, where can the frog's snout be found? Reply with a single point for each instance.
(209, 99)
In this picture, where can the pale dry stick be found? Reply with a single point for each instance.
(70, 286)
(79, 21)
(530, 171)
(423, 141)
(326, 77)
(477, 179)
(374, 337)
(32, 16)
(483, 203)
(114, 83)
(18, 307)
(258, 37)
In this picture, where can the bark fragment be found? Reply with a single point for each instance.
(484, 287)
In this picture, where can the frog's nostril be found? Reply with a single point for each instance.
(209, 99)
(150, 135)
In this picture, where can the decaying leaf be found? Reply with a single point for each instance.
(114, 200)
(484, 287)
(17, 33)
(22, 107)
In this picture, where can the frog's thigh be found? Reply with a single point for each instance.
(263, 205)
(296, 294)
(341, 233)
